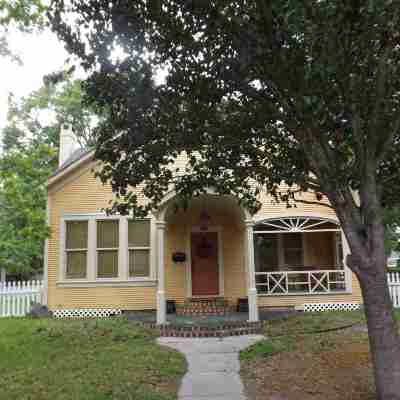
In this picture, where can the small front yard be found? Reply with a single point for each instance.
(85, 360)
(297, 363)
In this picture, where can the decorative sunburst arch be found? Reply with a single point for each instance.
(297, 224)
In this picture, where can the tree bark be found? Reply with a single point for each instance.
(382, 330)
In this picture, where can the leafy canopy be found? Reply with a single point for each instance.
(257, 93)
(23, 229)
(23, 15)
(30, 143)
(37, 118)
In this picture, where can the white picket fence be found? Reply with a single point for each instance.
(16, 298)
(394, 288)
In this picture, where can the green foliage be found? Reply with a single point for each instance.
(23, 228)
(256, 91)
(30, 143)
(24, 15)
(392, 224)
(50, 359)
(38, 117)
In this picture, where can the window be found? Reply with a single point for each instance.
(274, 252)
(266, 254)
(101, 248)
(292, 249)
(76, 248)
(107, 248)
(139, 248)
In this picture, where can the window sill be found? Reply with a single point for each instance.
(107, 283)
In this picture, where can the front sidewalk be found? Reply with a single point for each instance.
(213, 366)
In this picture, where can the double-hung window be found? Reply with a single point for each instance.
(76, 249)
(107, 248)
(101, 248)
(139, 248)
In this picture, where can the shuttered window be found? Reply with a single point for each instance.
(139, 248)
(107, 248)
(76, 248)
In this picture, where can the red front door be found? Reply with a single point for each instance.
(204, 254)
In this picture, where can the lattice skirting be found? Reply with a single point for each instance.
(82, 313)
(315, 307)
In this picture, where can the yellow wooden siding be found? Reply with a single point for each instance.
(270, 208)
(234, 263)
(81, 193)
(175, 273)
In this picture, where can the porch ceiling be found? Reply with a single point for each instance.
(218, 207)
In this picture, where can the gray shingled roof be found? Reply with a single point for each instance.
(75, 156)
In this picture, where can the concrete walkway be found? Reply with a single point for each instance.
(213, 366)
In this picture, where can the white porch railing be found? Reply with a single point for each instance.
(16, 297)
(301, 282)
(394, 288)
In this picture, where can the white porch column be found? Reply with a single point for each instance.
(252, 290)
(347, 271)
(2, 275)
(161, 297)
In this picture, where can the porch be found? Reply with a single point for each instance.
(299, 256)
(215, 249)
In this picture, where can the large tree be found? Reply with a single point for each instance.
(30, 142)
(23, 228)
(37, 117)
(22, 15)
(305, 92)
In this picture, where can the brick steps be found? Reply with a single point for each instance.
(222, 330)
(204, 306)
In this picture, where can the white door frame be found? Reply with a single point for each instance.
(196, 229)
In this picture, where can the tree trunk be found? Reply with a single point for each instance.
(382, 330)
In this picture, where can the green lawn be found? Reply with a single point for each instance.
(311, 356)
(84, 360)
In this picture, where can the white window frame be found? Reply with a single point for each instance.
(149, 248)
(65, 251)
(91, 279)
(117, 249)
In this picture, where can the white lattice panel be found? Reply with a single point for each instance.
(81, 313)
(319, 307)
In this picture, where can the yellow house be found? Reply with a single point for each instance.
(278, 257)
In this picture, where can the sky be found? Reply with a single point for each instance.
(41, 54)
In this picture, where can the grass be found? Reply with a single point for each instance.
(316, 330)
(88, 360)
(319, 355)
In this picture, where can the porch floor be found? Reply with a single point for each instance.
(207, 320)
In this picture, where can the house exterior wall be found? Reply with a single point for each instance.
(81, 193)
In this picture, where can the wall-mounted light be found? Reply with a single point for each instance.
(179, 257)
